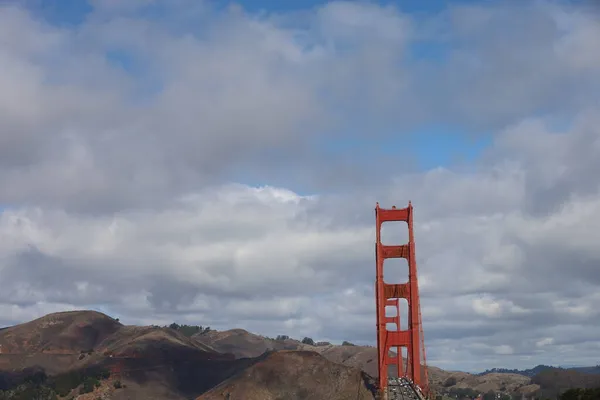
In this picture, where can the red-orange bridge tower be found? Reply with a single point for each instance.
(389, 295)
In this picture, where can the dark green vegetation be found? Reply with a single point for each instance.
(581, 394)
(570, 394)
(555, 381)
(189, 330)
(34, 384)
(308, 341)
(311, 342)
(527, 372)
(468, 393)
(548, 383)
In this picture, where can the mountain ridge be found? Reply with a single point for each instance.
(531, 372)
(87, 351)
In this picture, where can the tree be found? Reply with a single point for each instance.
(490, 395)
(451, 381)
(308, 341)
(88, 385)
(461, 393)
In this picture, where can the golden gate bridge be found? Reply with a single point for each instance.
(408, 378)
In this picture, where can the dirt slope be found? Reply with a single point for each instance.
(59, 333)
(294, 375)
(362, 357)
(242, 343)
(496, 382)
(162, 363)
(131, 339)
(54, 342)
(245, 344)
(156, 362)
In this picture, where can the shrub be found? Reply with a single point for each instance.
(451, 381)
(308, 341)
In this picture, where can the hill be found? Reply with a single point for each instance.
(532, 382)
(66, 349)
(587, 370)
(54, 342)
(88, 352)
(295, 375)
(74, 352)
(531, 372)
(554, 381)
(59, 333)
(242, 344)
(245, 344)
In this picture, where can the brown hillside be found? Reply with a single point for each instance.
(162, 363)
(294, 375)
(362, 357)
(242, 344)
(66, 340)
(554, 381)
(245, 344)
(497, 382)
(156, 363)
(59, 333)
(130, 340)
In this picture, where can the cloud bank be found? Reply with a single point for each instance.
(171, 161)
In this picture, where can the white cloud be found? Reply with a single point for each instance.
(504, 349)
(487, 307)
(544, 342)
(118, 193)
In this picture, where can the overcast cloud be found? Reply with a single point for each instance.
(198, 168)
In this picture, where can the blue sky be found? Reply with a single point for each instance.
(109, 117)
(74, 11)
(424, 147)
(412, 6)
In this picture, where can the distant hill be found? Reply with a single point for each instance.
(531, 372)
(74, 352)
(89, 355)
(295, 375)
(245, 344)
(529, 382)
(242, 344)
(67, 349)
(526, 372)
(587, 370)
(59, 333)
(554, 381)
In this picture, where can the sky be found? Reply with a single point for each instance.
(218, 164)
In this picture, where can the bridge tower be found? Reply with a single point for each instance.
(388, 294)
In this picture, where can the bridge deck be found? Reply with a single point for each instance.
(403, 389)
